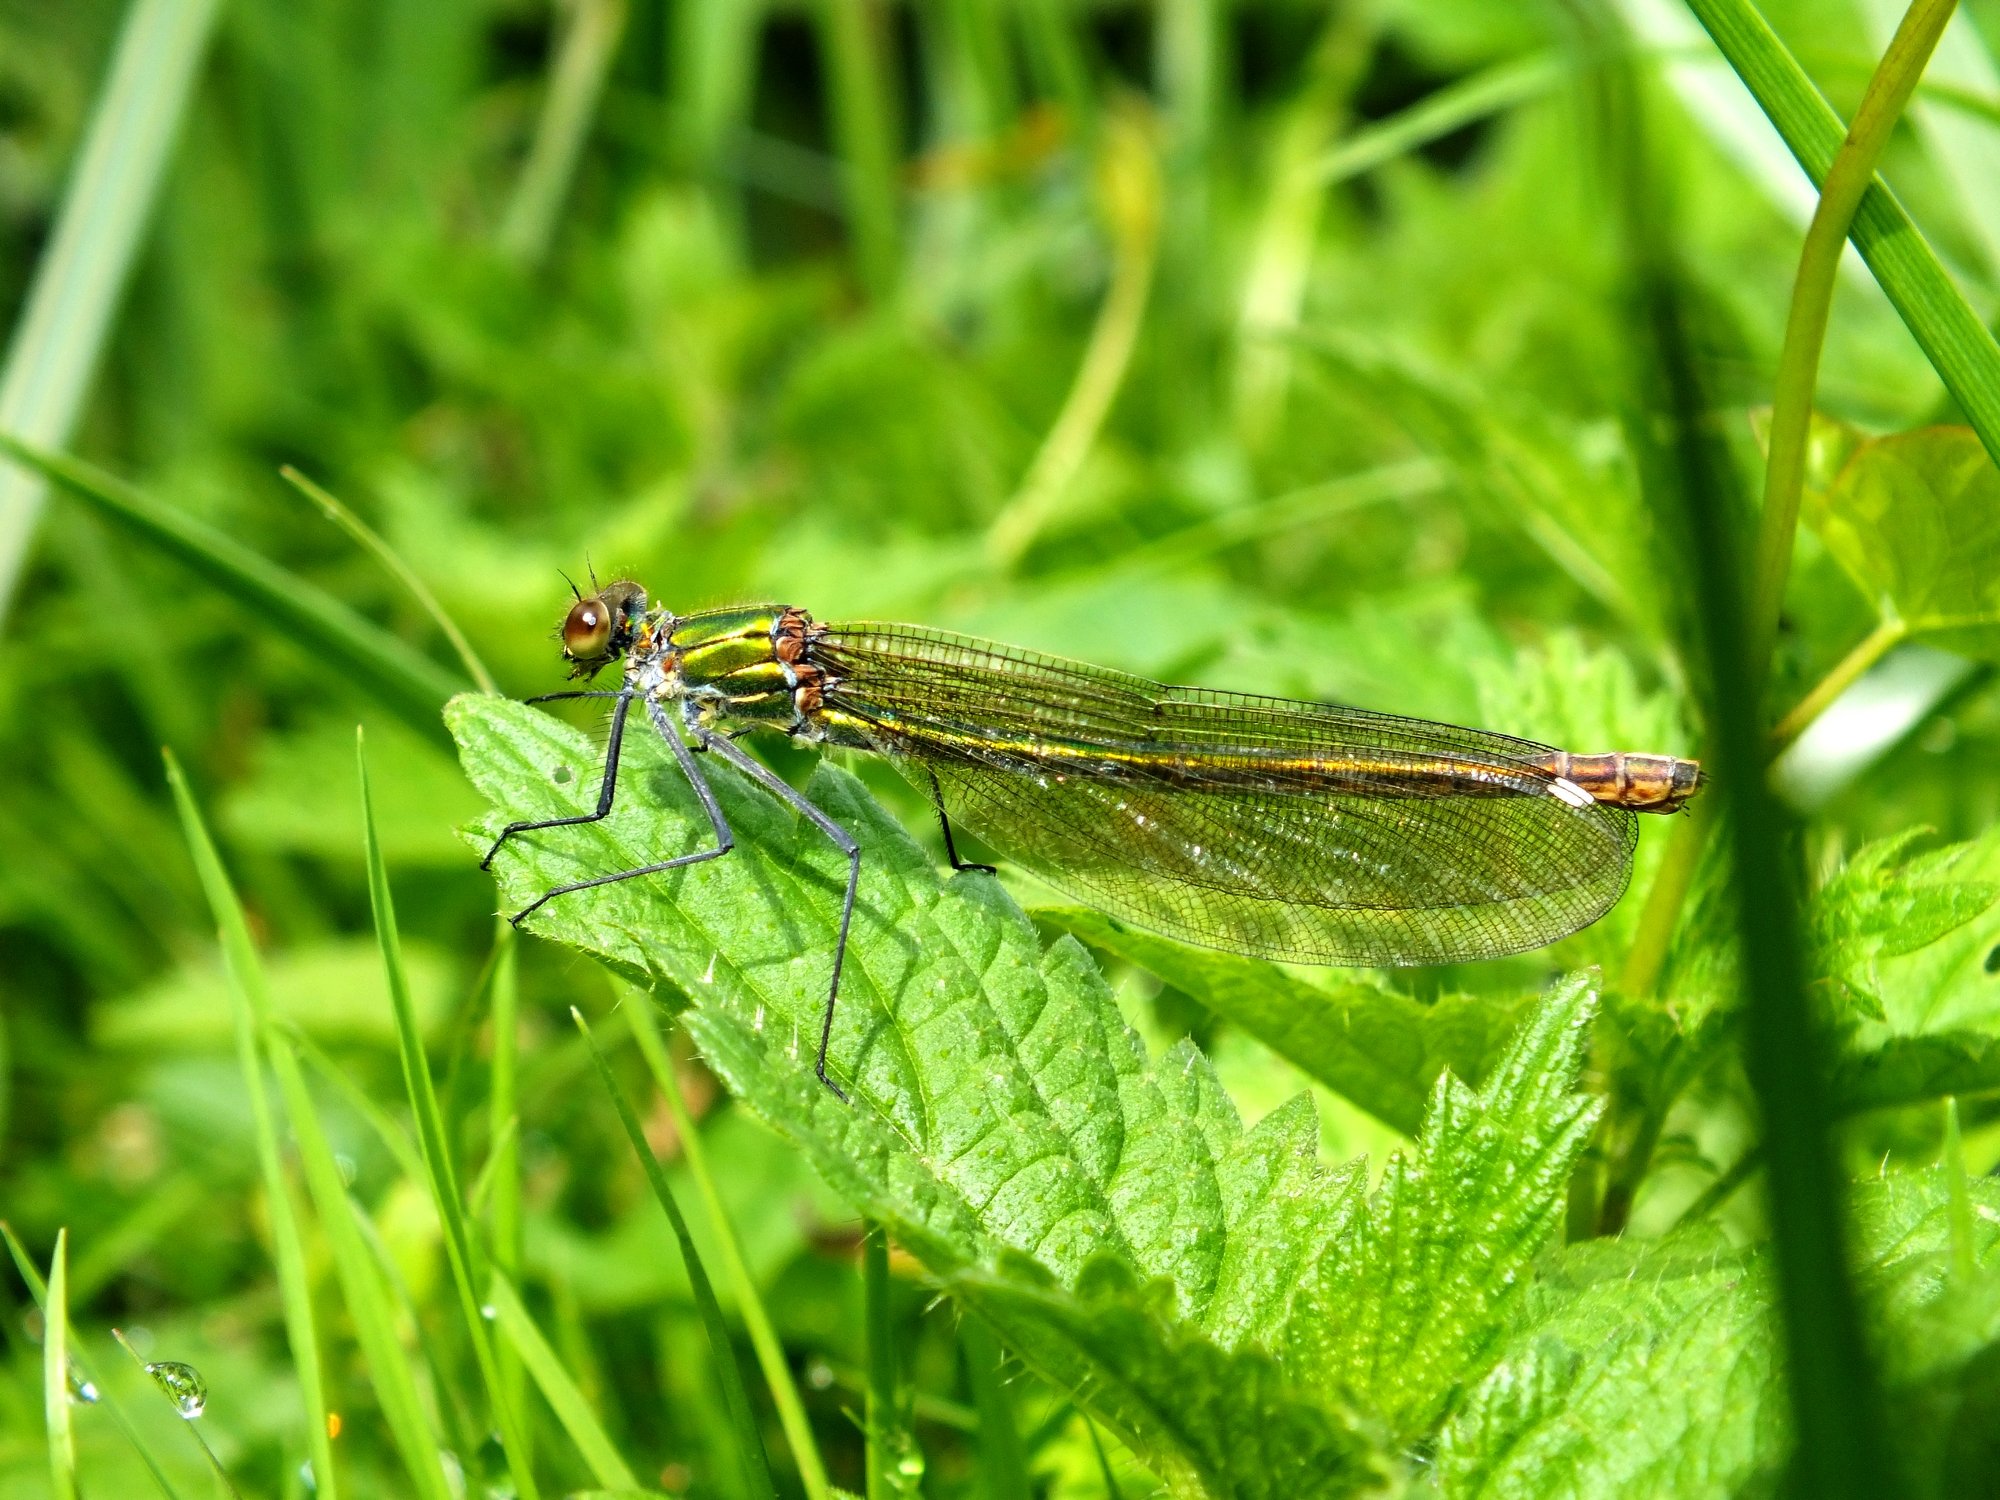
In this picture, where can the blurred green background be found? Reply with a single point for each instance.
(1270, 345)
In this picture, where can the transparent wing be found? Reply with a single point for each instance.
(1299, 831)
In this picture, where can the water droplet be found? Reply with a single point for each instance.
(307, 1478)
(454, 1473)
(819, 1374)
(345, 1164)
(911, 1464)
(488, 1311)
(562, 774)
(82, 1390)
(183, 1385)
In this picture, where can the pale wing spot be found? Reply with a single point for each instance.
(1570, 792)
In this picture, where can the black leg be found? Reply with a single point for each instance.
(771, 782)
(950, 849)
(604, 792)
(724, 839)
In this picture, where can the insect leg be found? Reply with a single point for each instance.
(724, 839)
(842, 840)
(604, 792)
(950, 849)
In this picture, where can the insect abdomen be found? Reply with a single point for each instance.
(1641, 783)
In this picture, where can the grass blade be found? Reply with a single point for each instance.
(854, 42)
(373, 542)
(583, 59)
(894, 1465)
(756, 1468)
(1003, 1463)
(361, 1284)
(564, 1398)
(402, 678)
(1958, 345)
(749, 1302)
(1839, 1449)
(239, 957)
(55, 1373)
(467, 1270)
(39, 1290)
(1847, 178)
(82, 273)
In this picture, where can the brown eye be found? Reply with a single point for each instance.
(586, 631)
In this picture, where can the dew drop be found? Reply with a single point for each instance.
(307, 1478)
(454, 1472)
(82, 1390)
(819, 1375)
(183, 1385)
(488, 1311)
(345, 1164)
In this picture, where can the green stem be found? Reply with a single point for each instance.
(1131, 192)
(770, 1350)
(884, 1412)
(864, 132)
(373, 543)
(1850, 176)
(1664, 900)
(1722, 1189)
(1846, 672)
(583, 60)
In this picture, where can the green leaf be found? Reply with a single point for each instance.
(1212, 1292)
(1381, 1050)
(1415, 1293)
(1915, 521)
(1642, 1369)
(71, 306)
(1880, 905)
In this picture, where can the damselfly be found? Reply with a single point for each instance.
(1298, 831)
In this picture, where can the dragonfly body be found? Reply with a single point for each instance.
(1299, 831)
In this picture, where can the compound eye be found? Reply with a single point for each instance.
(586, 630)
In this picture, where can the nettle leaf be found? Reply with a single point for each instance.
(1247, 1319)
(1914, 519)
(1650, 1368)
(1377, 1048)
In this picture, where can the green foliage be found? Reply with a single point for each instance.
(1189, 1279)
(1914, 518)
(1270, 348)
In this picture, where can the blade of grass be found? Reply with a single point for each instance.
(770, 1351)
(1952, 336)
(894, 1464)
(55, 1373)
(1490, 91)
(859, 90)
(756, 1468)
(361, 1284)
(239, 956)
(400, 677)
(1847, 178)
(499, 1183)
(392, 563)
(1839, 1448)
(565, 1400)
(78, 281)
(39, 1290)
(1003, 1465)
(172, 1396)
(440, 1174)
(576, 81)
(1131, 194)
